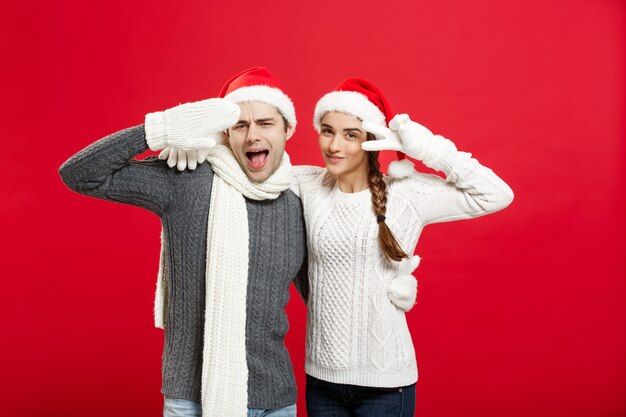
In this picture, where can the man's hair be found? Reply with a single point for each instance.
(285, 121)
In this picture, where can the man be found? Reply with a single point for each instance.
(233, 240)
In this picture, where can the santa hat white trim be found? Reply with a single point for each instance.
(350, 102)
(400, 169)
(268, 95)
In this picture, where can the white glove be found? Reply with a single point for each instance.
(402, 290)
(182, 158)
(411, 138)
(190, 125)
(190, 158)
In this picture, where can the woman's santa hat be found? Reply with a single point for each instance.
(258, 84)
(364, 100)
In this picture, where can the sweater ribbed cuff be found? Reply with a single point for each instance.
(156, 130)
(448, 165)
(459, 165)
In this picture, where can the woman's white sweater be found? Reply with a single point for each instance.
(355, 334)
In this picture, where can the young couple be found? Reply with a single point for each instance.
(238, 229)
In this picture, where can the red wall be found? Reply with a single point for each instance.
(522, 313)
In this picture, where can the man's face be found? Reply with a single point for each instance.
(258, 139)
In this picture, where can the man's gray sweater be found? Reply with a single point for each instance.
(107, 170)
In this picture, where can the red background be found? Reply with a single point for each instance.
(522, 313)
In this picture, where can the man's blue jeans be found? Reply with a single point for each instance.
(186, 408)
(326, 399)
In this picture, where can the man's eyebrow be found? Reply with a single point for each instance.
(265, 119)
(327, 125)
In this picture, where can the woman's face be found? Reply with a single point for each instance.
(340, 139)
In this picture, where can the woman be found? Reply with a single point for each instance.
(362, 228)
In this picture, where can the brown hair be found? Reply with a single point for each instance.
(388, 244)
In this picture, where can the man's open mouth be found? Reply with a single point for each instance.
(257, 159)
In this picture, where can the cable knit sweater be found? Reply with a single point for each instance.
(355, 335)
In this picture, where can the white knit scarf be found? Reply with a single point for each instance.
(224, 366)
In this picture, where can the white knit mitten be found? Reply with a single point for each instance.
(402, 290)
(411, 138)
(190, 125)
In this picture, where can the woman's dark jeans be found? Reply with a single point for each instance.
(326, 399)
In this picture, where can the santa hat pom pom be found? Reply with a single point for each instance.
(400, 169)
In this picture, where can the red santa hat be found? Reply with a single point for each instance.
(357, 97)
(364, 100)
(258, 84)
